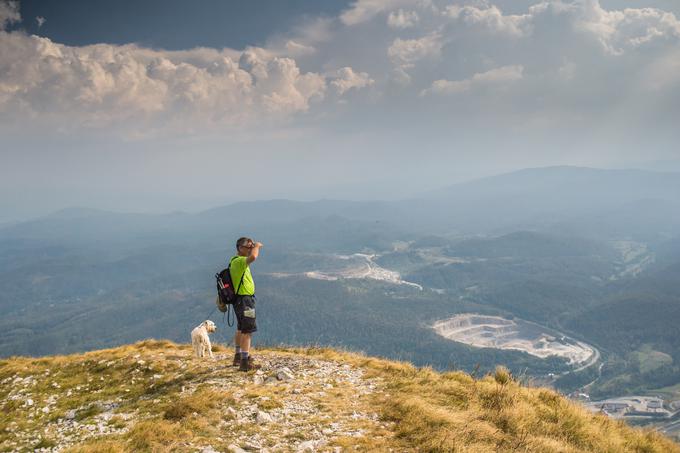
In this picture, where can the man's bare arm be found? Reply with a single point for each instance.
(254, 252)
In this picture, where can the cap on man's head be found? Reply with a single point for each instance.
(243, 241)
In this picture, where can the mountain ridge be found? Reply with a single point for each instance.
(549, 173)
(153, 396)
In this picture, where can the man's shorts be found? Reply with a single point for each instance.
(245, 314)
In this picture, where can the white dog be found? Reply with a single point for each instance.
(200, 340)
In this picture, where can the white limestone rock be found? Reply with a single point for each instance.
(311, 446)
(285, 374)
(263, 417)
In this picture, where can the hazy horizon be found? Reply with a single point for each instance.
(206, 204)
(161, 107)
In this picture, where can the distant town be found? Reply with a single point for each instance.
(652, 411)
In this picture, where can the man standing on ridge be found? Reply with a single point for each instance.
(244, 307)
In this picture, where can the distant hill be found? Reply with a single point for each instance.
(544, 197)
(646, 220)
(153, 396)
(526, 244)
(637, 322)
(580, 200)
(564, 185)
(644, 310)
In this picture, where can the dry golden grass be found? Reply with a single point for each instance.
(100, 446)
(448, 412)
(200, 402)
(424, 410)
(156, 436)
(452, 412)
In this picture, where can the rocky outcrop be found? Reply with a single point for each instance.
(154, 396)
(292, 403)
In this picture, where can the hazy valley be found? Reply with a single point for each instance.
(560, 260)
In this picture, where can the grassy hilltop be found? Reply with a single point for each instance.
(152, 396)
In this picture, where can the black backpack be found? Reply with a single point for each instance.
(225, 289)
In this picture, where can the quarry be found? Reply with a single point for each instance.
(484, 331)
(355, 266)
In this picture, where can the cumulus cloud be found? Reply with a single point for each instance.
(296, 49)
(491, 18)
(464, 36)
(402, 19)
(346, 79)
(9, 13)
(41, 21)
(364, 10)
(100, 84)
(405, 52)
(617, 30)
(400, 48)
(495, 77)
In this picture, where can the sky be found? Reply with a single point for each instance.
(169, 105)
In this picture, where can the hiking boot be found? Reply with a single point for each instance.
(248, 364)
(237, 359)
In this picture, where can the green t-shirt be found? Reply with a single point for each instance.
(238, 266)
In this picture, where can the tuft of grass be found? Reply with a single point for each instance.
(89, 411)
(45, 443)
(200, 402)
(502, 376)
(156, 435)
(155, 345)
(117, 422)
(99, 446)
(269, 404)
(219, 347)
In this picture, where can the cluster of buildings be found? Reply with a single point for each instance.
(632, 406)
